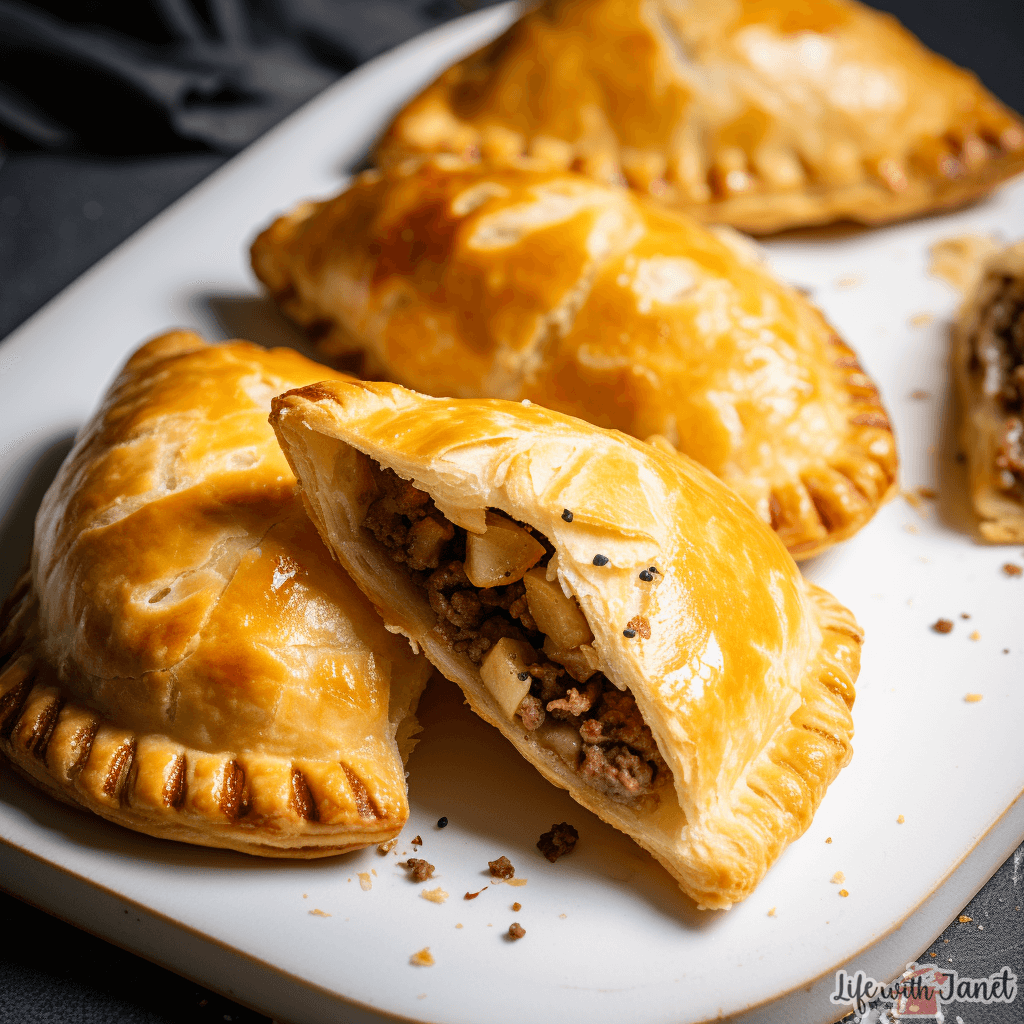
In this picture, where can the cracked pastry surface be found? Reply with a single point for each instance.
(184, 657)
(762, 114)
(469, 281)
(988, 363)
(732, 677)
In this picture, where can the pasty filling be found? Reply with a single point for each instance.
(497, 601)
(998, 355)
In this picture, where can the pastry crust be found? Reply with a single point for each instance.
(762, 115)
(743, 671)
(988, 365)
(183, 657)
(473, 282)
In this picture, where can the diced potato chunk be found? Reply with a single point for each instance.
(502, 554)
(427, 539)
(563, 738)
(505, 662)
(556, 615)
(580, 662)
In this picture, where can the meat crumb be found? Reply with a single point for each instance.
(972, 698)
(900, 820)
(516, 930)
(437, 895)
(419, 869)
(385, 848)
(943, 625)
(1013, 570)
(365, 882)
(473, 895)
(560, 840)
(423, 958)
(964, 919)
(516, 907)
(316, 912)
(417, 841)
(501, 868)
(838, 878)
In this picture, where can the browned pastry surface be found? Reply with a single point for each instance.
(762, 114)
(988, 364)
(184, 657)
(461, 280)
(742, 672)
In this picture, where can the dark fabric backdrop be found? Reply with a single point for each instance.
(111, 109)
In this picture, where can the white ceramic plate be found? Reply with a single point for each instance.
(609, 937)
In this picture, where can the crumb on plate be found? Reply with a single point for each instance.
(1010, 569)
(365, 882)
(423, 958)
(516, 907)
(316, 912)
(385, 848)
(437, 895)
(843, 893)
(972, 698)
(561, 839)
(838, 878)
(501, 868)
(516, 930)
(900, 820)
(419, 870)
(942, 626)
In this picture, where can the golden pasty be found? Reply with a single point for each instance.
(184, 657)
(620, 615)
(988, 357)
(507, 283)
(762, 114)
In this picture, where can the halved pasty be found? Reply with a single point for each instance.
(184, 657)
(618, 613)
(460, 280)
(762, 115)
(988, 358)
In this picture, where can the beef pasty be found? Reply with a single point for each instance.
(988, 357)
(460, 280)
(619, 614)
(762, 115)
(184, 657)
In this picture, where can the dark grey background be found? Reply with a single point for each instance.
(62, 209)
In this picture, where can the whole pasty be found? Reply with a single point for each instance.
(184, 657)
(763, 115)
(988, 358)
(459, 280)
(618, 613)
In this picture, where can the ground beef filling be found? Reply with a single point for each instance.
(615, 751)
(999, 356)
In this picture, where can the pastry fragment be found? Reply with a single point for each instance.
(988, 357)
(703, 707)
(762, 115)
(472, 282)
(184, 657)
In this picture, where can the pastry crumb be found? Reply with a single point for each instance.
(386, 848)
(561, 839)
(501, 868)
(365, 882)
(417, 841)
(910, 528)
(975, 635)
(771, 913)
(516, 881)
(516, 907)
(849, 281)
(900, 820)
(922, 319)
(958, 260)
(458, 926)
(317, 912)
(838, 878)
(964, 919)
(965, 615)
(564, 916)
(933, 954)
(640, 626)
(516, 930)
(437, 895)
(423, 958)
(829, 839)
(942, 626)
(1010, 569)
(305, 895)
(843, 893)
(473, 895)
(972, 698)
(919, 395)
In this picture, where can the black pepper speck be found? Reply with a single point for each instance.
(652, 569)
(566, 515)
(646, 576)
(523, 676)
(629, 633)
(600, 559)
